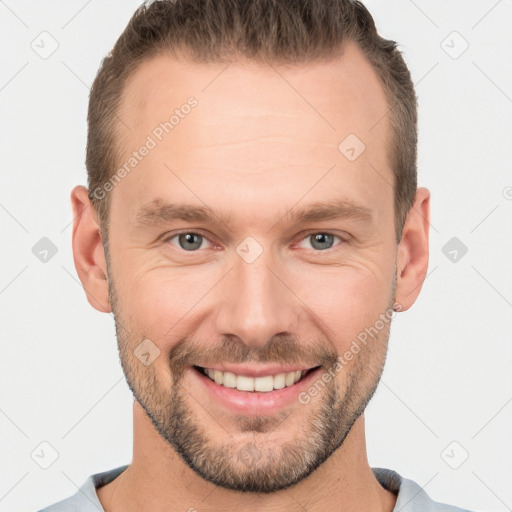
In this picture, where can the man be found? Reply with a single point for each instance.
(253, 221)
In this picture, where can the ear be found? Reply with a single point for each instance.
(88, 252)
(412, 257)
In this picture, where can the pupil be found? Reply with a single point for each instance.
(322, 240)
(190, 239)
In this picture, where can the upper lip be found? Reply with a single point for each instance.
(256, 371)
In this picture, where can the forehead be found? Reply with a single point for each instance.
(344, 92)
(257, 130)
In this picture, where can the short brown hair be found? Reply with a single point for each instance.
(277, 31)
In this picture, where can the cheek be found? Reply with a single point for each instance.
(160, 302)
(345, 301)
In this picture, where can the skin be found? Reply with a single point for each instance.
(252, 149)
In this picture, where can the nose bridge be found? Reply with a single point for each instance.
(258, 305)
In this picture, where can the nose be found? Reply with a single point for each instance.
(257, 302)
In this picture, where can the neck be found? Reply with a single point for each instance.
(159, 480)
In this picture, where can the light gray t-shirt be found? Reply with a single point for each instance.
(410, 496)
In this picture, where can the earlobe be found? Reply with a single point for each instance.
(88, 251)
(412, 255)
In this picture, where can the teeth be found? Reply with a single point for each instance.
(229, 380)
(261, 384)
(244, 383)
(217, 376)
(280, 380)
(289, 378)
(264, 384)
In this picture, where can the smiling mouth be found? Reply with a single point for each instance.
(263, 384)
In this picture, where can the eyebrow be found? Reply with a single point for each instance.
(159, 212)
(330, 210)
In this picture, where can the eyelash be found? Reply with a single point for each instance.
(306, 236)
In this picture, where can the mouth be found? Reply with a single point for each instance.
(260, 384)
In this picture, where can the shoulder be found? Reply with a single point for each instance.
(71, 504)
(410, 496)
(86, 499)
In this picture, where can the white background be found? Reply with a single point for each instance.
(448, 370)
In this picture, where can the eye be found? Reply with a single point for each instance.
(321, 241)
(188, 241)
(192, 242)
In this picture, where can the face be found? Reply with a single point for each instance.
(245, 242)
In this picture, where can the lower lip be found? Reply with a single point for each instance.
(254, 402)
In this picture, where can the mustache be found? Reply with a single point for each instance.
(281, 349)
